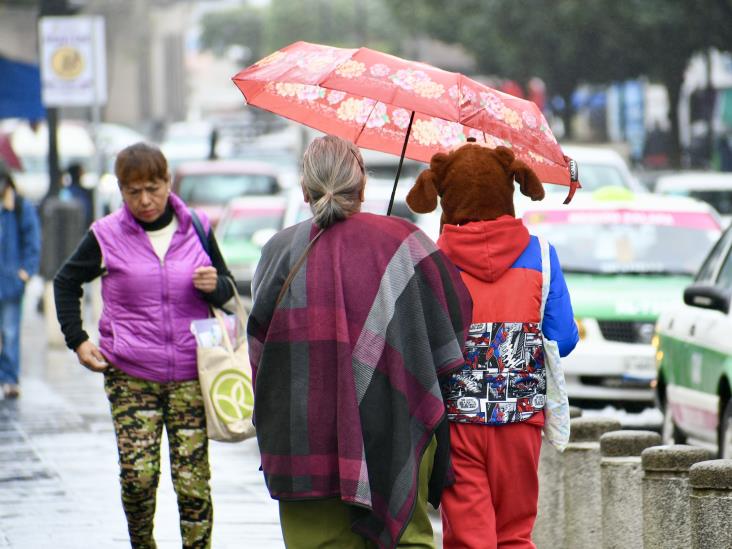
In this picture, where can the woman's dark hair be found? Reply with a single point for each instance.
(140, 162)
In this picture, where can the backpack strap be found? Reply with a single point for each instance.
(19, 221)
(200, 231)
(546, 275)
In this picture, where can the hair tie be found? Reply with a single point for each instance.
(328, 195)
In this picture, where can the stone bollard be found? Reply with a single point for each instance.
(582, 487)
(711, 504)
(549, 526)
(666, 494)
(622, 489)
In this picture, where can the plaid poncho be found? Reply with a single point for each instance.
(346, 390)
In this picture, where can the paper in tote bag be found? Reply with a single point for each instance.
(556, 407)
(225, 374)
(224, 371)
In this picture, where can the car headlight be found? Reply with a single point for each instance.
(581, 330)
(646, 331)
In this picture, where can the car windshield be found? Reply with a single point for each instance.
(594, 176)
(624, 241)
(245, 224)
(218, 189)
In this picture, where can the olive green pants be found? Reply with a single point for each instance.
(140, 410)
(326, 523)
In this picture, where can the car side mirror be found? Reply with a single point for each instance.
(706, 296)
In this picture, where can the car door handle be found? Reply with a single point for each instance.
(692, 330)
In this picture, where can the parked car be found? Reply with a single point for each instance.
(248, 222)
(626, 258)
(601, 167)
(245, 227)
(712, 187)
(694, 356)
(211, 184)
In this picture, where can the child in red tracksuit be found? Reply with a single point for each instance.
(495, 401)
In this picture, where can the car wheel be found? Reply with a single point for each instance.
(670, 433)
(725, 433)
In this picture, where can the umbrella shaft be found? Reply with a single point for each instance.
(401, 161)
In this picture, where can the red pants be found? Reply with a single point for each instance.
(493, 501)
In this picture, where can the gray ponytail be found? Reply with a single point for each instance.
(332, 177)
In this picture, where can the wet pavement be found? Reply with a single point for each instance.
(58, 464)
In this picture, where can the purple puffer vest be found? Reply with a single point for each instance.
(144, 329)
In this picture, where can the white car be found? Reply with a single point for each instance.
(602, 167)
(598, 167)
(714, 188)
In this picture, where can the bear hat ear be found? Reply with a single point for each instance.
(505, 156)
(529, 183)
(422, 197)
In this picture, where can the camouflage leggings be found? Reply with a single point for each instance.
(140, 409)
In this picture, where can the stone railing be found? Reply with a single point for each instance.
(614, 488)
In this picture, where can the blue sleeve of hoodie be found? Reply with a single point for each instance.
(30, 233)
(558, 324)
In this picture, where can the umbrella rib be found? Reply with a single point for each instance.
(363, 126)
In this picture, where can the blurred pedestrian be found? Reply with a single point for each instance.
(350, 422)
(20, 246)
(75, 191)
(156, 279)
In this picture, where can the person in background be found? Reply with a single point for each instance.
(350, 423)
(156, 279)
(75, 191)
(20, 246)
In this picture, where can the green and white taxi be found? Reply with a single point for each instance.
(626, 257)
(694, 356)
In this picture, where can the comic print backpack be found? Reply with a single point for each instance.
(503, 379)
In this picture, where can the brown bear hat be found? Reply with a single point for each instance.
(474, 183)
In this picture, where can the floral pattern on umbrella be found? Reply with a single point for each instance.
(368, 97)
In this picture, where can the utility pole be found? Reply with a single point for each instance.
(53, 7)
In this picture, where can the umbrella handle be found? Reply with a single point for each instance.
(573, 179)
(401, 161)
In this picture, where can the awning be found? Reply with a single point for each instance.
(20, 90)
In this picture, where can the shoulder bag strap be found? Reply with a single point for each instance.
(296, 268)
(199, 231)
(546, 275)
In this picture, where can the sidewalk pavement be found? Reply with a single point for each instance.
(58, 465)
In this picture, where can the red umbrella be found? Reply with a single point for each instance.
(393, 105)
(7, 154)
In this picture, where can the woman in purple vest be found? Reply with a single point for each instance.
(156, 278)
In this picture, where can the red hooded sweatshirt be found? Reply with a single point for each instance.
(503, 289)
